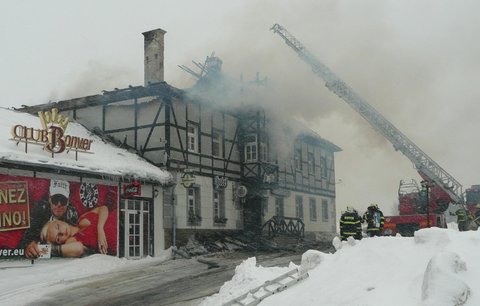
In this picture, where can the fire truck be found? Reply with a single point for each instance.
(418, 207)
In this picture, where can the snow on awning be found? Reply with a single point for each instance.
(83, 151)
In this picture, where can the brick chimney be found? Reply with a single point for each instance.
(153, 52)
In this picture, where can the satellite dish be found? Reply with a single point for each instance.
(241, 191)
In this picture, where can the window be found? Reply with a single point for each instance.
(217, 141)
(313, 209)
(194, 215)
(216, 204)
(298, 158)
(323, 167)
(311, 163)
(279, 212)
(251, 148)
(299, 207)
(324, 210)
(219, 207)
(263, 152)
(192, 137)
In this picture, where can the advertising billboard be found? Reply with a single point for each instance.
(42, 217)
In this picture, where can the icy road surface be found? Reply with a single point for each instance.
(172, 282)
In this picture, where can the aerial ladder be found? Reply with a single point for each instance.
(428, 169)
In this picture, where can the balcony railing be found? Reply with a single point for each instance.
(286, 226)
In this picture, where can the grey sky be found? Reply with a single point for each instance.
(415, 61)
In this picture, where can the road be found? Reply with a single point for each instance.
(174, 282)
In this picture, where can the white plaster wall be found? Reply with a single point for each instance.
(206, 200)
(310, 226)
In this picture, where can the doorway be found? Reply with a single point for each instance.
(253, 214)
(135, 234)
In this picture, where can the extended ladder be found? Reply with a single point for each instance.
(423, 163)
(270, 287)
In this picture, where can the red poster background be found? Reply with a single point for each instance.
(38, 190)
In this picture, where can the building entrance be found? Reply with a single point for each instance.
(135, 235)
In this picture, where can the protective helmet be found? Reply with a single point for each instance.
(374, 205)
(350, 209)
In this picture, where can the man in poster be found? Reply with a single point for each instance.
(56, 207)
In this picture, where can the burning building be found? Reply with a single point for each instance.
(229, 174)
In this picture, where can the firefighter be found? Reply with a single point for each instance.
(375, 220)
(350, 224)
(463, 218)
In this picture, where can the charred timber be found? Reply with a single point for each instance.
(160, 89)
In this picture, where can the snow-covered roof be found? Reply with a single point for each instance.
(106, 159)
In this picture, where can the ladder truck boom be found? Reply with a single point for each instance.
(426, 166)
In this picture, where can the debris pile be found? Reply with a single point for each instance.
(218, 242)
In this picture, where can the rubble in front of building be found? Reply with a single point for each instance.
(208, 243)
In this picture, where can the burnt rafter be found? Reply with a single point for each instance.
(160, 107)
(160, 89)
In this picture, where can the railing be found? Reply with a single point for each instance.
(285, 226)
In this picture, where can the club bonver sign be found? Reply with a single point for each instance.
(52, 135)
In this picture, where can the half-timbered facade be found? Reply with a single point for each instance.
(229, 173)
(291, 178)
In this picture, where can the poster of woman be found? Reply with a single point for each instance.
(29, 205)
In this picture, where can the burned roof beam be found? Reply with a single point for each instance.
(160, 89)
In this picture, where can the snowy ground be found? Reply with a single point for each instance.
(22, 283)
(436, 267)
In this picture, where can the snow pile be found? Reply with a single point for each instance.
(247, 276)
(436, 267)
(442, 281)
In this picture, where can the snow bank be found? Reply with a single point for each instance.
(442, 285)
(436, 267)
(247, 276)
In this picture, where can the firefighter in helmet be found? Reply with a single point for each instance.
(375, 220)
(350, 224)
(463, 218)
